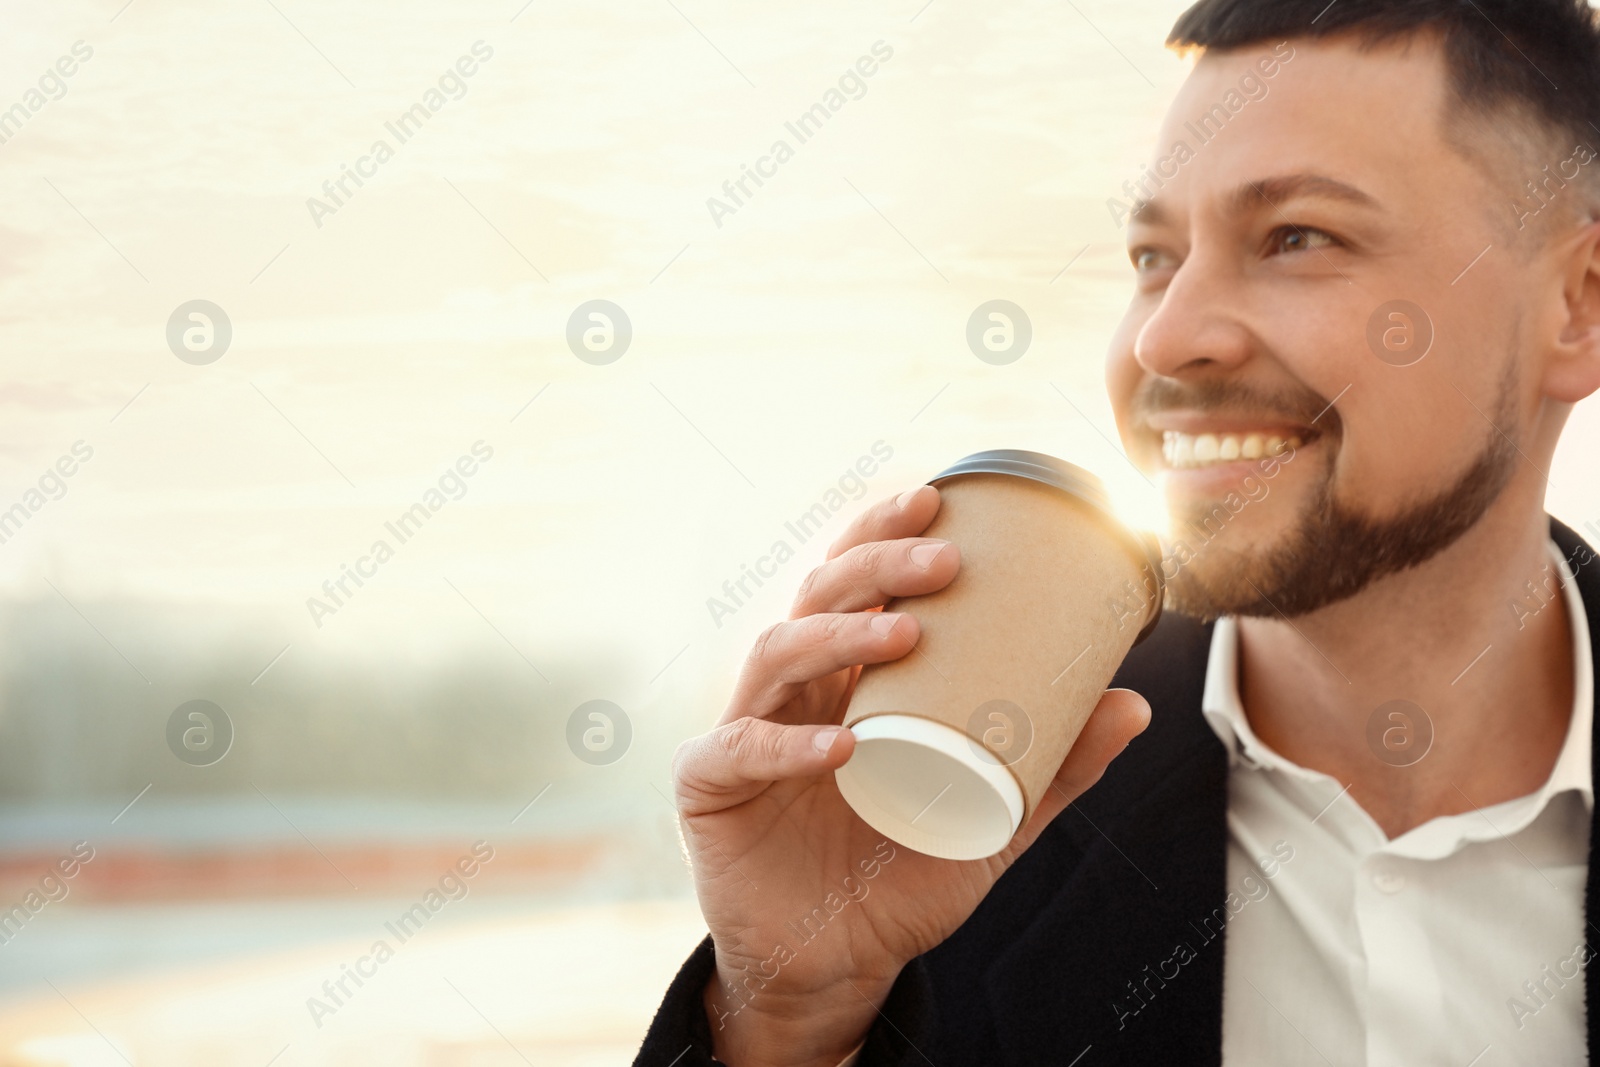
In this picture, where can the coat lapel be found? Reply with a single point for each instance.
(1126, 957)
(1586, 570)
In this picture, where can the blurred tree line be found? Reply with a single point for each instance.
(77, 721)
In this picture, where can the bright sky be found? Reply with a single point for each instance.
(826, 313)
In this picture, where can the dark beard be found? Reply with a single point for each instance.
(1336, 551)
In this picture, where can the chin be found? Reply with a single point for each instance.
(1217, 583)
(1317, 551)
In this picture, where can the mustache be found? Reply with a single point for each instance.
(1225, 397)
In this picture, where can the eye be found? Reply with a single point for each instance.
(1298, 239)
(1148, 259)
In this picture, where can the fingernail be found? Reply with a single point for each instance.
(924, 554)
(904, 499)
(884, 622)
(823, 739)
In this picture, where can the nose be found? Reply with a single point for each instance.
(1196, 327)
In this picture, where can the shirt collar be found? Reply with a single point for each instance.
(1573, 770)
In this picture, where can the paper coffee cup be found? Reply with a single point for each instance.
(958, 740)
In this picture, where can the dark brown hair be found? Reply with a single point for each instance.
(1535, 57)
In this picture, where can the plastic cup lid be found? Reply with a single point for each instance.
(924, 785)
(1075, 482)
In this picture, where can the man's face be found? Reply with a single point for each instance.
(1261, 262)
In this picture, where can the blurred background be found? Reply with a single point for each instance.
(241, 744)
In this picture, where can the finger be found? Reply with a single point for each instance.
(869, 575)
(905, 515)
(1120, 716)
(791, 654)
(736, 761)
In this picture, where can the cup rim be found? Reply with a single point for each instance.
(1079, 484)
(893, 810)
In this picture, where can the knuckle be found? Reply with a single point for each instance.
(802, 637)
(808, 586)
(743, 740)
(765, 644)
(867, 560)
(831, 626)
(810, 634)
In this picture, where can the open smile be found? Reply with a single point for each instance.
(1186, 451)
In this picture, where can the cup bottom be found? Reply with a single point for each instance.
(928, 787)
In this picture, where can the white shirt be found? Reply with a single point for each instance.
(1364, 951)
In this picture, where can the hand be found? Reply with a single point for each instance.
(812, 912)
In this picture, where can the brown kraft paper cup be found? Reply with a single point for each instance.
(958, 740)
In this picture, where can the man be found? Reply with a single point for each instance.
(1357, 828)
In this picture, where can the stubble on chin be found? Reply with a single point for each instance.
(1332, 550)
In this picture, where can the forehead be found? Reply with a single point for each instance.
(1372, 118)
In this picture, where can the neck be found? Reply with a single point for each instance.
(1465, 637)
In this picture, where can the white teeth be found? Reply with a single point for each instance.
(1183, 451)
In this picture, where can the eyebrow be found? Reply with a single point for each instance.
(1274, 190)
(1291, 186)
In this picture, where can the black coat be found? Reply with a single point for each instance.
(1046, 967)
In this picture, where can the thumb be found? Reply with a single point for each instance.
(738, 760)
(1120, 716)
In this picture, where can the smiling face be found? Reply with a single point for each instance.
(1259, 328)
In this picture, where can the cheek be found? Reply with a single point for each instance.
(1414, 432)
(1414, 429)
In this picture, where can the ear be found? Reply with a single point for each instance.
(1574, 368)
